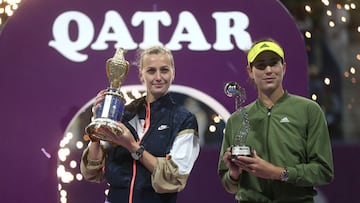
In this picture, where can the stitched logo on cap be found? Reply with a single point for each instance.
(264, 46)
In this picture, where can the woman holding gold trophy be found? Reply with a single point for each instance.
(156, 145)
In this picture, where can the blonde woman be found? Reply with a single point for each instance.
(152, 159)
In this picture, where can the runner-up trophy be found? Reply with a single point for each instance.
(239, 148)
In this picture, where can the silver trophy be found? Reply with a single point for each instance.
(239, 148)
(112, 107)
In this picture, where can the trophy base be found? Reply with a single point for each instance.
(92, 128)
(240, 151)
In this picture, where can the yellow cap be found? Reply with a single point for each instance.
(264, 46)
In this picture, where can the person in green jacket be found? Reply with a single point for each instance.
(291, 149)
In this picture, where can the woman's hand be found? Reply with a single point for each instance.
(125, 139)
(258, 166)
(98, 101)
(234, 170)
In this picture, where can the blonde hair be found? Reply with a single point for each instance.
(157, 49)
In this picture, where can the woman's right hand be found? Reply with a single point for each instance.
(98, 100)
(234, 169)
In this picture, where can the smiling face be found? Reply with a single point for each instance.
(156, 73)
(267, 71)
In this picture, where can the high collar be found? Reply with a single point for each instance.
(281, 99)
(162, 101)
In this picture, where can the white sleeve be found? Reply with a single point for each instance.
(185, 150)
(171, 173)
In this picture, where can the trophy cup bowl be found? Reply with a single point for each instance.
(239, 148)
(112, 106)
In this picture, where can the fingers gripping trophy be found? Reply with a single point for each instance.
(112, 107)
(239, 148)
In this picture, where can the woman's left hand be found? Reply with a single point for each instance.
(125, 139)
(258, 166)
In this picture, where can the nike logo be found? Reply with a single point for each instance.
(163, 127)
(284, 120)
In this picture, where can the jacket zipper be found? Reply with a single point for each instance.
(267, 133)
(269, 185)
(145, 129)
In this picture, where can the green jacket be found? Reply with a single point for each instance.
(292, 134)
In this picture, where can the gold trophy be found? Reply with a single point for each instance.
(112, 107)
(239, 148)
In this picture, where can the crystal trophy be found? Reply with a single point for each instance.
(112, 107)
(239, 148)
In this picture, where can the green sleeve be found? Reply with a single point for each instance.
(318, 169)
(229, 184)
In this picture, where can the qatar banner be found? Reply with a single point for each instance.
(53, 55)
